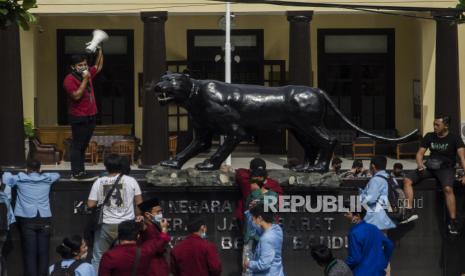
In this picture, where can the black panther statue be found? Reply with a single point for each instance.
(237, 111)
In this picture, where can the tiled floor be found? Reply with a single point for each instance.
(272, 161)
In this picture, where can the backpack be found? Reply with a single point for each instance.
(58, 270)
(396, 198)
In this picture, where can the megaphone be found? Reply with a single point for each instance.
(98, 37)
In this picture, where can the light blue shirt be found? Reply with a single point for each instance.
(5, 198)
(33, 192)
(267, 259)
(375, 196)
(84, 269)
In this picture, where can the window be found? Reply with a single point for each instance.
(356, 44)
(115, 45)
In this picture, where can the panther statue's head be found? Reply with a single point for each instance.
(173, 87)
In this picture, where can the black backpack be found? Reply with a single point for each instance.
(397, 200)
(58, 270)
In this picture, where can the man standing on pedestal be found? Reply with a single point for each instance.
(82, 109)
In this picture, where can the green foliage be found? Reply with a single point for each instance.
(16, 12)
(461, 5)
(28, 127)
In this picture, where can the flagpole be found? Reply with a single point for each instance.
(227, 59)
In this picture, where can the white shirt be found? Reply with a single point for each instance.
(128, 188)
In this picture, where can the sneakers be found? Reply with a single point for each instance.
(453, 227)
(83, 176)
(409, 216)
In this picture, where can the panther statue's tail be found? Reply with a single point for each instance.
(357, 128)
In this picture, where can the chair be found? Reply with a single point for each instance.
(124, 148)
(173, 144)
(46, 153)
(408, 148)
(92, 152)
(363, 147)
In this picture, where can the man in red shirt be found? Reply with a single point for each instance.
(153, 217)
(195, 255)
(81, 109)
(242, 180)
(128, 258)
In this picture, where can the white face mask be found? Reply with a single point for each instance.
(157, 218)
(83, 256)
(81, 69)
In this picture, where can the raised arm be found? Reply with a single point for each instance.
(99, 60)
(251, 226)
(10, 179)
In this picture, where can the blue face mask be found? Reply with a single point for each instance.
(204, 235)
(157, 218)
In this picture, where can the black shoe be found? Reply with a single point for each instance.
(409, 216)
(453, 227)
(83, 176)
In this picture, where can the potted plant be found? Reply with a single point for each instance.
(28, 134)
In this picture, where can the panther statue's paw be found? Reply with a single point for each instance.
(174, 164)
(207, 166)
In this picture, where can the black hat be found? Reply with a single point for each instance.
(147, 205)
(257, 163)
(77, 59)
(258, 173)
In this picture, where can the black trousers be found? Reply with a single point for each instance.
(82, 129)
(35, 239)
(3, 240)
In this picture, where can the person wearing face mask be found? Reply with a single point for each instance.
(195, 255)
(267, 258)
(154, 225)
(336, 165)
(369, 249)
(356, 171)
(73, 250)
(82, 109)
(258, 194)
(375, 195)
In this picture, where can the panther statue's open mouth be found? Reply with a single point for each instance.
(163, 98)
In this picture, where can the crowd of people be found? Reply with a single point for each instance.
(130, 236)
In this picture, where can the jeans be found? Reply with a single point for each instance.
(82, 129)
(35, 238)
(104, 238)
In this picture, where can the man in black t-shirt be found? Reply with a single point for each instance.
(444, 147)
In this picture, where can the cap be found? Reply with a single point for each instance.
(147, 205)
(257, 163)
